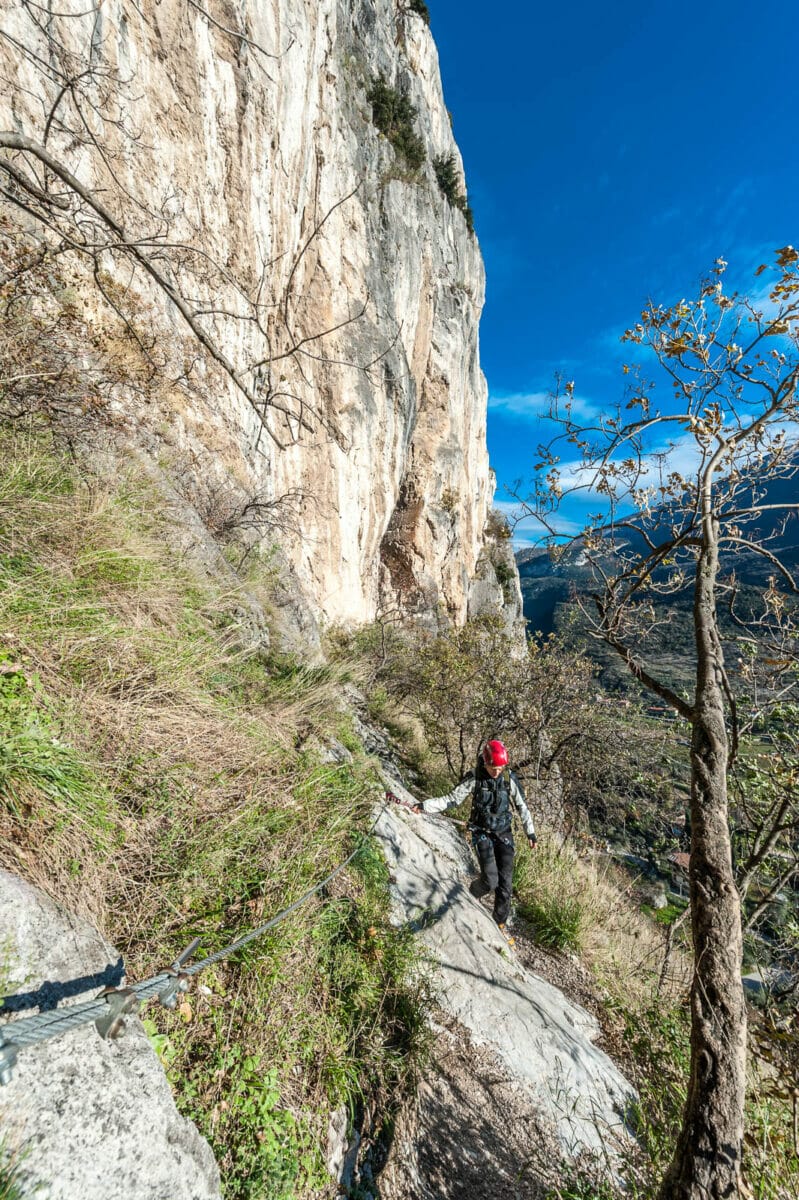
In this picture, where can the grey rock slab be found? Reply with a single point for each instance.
(544, 1040)
(92, 1118)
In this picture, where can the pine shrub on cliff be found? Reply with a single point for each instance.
(420, 8)
(446, 174)
(394, 115)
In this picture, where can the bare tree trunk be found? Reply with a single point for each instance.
(707, 1159)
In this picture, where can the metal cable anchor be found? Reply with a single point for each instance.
(120, 1001)
(8, 1060)
(179, 982)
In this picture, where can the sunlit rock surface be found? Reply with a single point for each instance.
(86, 1118)
(544, 1040)
(246, 132)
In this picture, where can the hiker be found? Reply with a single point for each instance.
(493, 788)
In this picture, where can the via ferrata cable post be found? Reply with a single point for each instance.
(8, 1060)
(179, 980)
(121, 1002)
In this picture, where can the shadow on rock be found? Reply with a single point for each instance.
(50, 993)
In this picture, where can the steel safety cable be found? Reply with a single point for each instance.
(246, 938)
(42, 1026)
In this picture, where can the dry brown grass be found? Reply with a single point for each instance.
(139, 659)
(625, 949)
(593, 910)
(154, 775)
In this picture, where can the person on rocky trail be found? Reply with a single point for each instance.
(494, 789)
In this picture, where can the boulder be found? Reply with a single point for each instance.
(88, 1118)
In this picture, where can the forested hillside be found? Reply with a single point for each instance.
(557, 585)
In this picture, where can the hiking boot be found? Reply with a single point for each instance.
(509, 938)
(478, 888)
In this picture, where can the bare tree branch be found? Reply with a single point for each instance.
(235, 33)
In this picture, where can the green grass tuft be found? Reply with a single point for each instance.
(43, 779)
(552, 896)
(13, 1182)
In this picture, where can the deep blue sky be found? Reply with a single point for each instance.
(612, 152)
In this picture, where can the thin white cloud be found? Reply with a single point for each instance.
(528, 531)
(528, 405)
(536, 406)
(682, 456)
(508, 508)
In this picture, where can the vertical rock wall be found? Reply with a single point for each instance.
(243, 130)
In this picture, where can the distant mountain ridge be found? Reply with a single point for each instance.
(550, 584)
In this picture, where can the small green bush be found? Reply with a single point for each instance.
(446, 174)
(657, 1038)
(558, 923)
(447, 177)
(420, 8)
(394, 116)
(269, 1142)
(505, 576)
(553, 896)
(497, 526)
(669, 914)
(449, 501)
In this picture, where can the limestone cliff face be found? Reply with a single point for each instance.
(237, 140)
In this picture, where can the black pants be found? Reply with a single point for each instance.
(496, 853)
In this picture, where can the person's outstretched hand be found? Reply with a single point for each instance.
(533, 842)
(415, 808)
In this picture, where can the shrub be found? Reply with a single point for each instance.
(447, 177)
(463, 685)
(420, 8)
(554, 896)
(656, 1037)
(449, 501)
(394, 116)
(505, 576)
(446, 173)
(497, 526)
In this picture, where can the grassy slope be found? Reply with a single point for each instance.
(165, 782)
(159, 778)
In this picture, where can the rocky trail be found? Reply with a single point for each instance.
(519, 1083)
